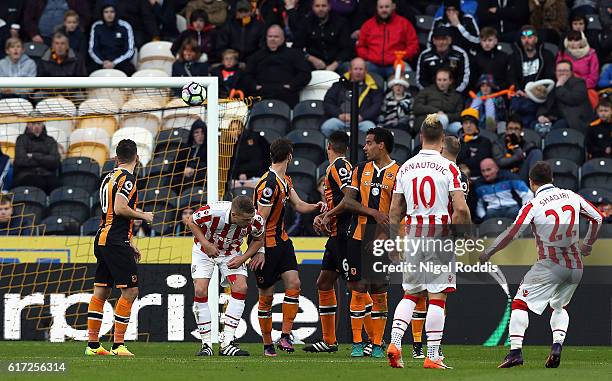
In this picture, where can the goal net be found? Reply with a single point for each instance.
(47, 262)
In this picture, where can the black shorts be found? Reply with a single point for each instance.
(362, 264)
(279, 259)
(333, 258)
(116, 266)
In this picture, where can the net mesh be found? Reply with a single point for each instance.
(87, 124)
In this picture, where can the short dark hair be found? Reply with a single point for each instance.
(571, 65)
(243, 204)
(126, 151)
(452, 145)
(541, 173)
(515, 118)
(198, 14)
(339, 142)
(280, 149)
(604, 102)
(382, 135)
(487, 32)
(574, 35)
(432, 129)
(445, 70)
(6, 199)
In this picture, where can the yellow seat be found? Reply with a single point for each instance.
(107, 123)
(8, 148)
(96, 151)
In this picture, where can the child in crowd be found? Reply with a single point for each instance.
(200, 31)
(598, 140)
(76, 37)
(492, 110)
(231, 77)
(397, 106)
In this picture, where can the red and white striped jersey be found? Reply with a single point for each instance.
(553, 215)
(426, 181)
(214, 219)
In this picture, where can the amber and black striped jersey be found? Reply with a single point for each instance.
(374, 188)
(337, 177)
(114, 229)
(274, 191)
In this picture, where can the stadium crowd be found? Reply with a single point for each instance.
(514, 80)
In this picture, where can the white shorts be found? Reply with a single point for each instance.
(202, 266)
(431, 272)
(548, 283)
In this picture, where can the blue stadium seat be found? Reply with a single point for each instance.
(597, 173)
(69, 201)
(81, 171)
(322, 169)
(96, 208)
(402, 149)
(161, 201)
(424, 23)
(192, 197)
(240, 191)
(564, 143)
(308, 115)
(595, 195)
(492, 227)
(565, 173)
(168, 140)
(90, 227)
(270, 134)
(270, 113)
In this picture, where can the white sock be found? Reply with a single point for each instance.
(559, 321)
(434, 327)
(233, 313)
(202, 317)
(401, 320)
(519, 321)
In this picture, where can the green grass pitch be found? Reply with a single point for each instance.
(176, 361)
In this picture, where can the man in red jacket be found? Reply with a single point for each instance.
(383, 35)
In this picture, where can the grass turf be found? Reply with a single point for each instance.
(176, 361)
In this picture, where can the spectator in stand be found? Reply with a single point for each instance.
(462, 26)
(11, 11)
(568, 105)
(605, 79)
(474, 148)
(492, 111)
(191, 161)
(514, 153)
(181, 228)
(583, 58)
(605, 208)
(276, 71)
(231, 76)
(363, 10)
(60, 61)
(16, 64)
(397, 106)
(443, 53)
(6, 172)
(37, 158)
(506, 17)
(216, 10)
(139, 14)
(550, 17)
(251, 158)
(324, 37)
(384, 35)
(244, 32)
(111, 43)
(605, 17)
(200, 31)
(579, 23)
(489, 59)
(441, 98)
(337, 102)
(188, 62)
(140, 228)
(165, 16)
(76, 37)
(42, 17)
(598, 139)
(495, 191)
(530, 61)
(13, 225)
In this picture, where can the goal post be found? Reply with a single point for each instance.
(225, 120)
